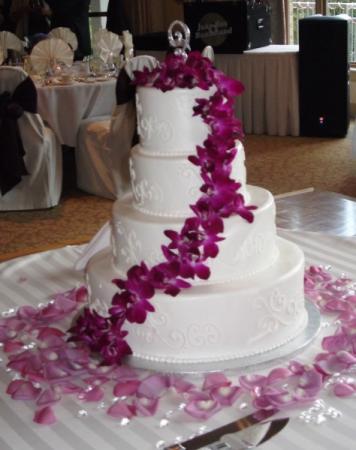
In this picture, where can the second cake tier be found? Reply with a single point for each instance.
(247, 248)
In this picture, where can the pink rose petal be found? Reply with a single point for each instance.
(23, 390)
(94, 395)
(12, 346)
(126, 388)
(45, 416)
(48, 397)
(343, 389)
(145, 406)
(153, 386)
(215, 380)
(202, 407)
(121, 410)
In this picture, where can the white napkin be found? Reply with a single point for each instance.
(100, 241)
(106, 45)
(128, 45)
(139, 62)
(49, 52)
(66, 34)
(9, 41)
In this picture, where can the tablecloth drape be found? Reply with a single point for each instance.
(64, 107)
(33, 279)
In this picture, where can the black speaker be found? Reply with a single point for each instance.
(324, 99)
(228, 26)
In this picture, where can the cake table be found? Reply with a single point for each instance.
(33, 279)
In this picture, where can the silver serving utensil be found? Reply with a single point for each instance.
(214, 436)
(250, 437)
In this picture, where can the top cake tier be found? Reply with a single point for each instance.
(165, 120)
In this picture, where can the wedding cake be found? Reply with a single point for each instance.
(248, 297)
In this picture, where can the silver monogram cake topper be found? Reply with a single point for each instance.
(179, 37)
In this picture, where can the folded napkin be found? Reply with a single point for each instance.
(66, 34)
(9, 41)
(100, 241)
(106, 45)
(128, 44)
(49, 52)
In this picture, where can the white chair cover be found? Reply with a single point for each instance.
(42, 187)
(104, 144)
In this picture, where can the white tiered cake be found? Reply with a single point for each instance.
(253, 301)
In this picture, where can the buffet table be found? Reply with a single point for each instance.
(35, 278)
(63, 107)
(270, 103)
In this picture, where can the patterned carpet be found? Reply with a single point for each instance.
(280, 164)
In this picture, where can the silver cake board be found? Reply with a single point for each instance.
(244, 364)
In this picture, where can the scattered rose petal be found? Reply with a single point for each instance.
(126, 388)
(343, 389)
(93, 395)
(45, 416)
(121, 409)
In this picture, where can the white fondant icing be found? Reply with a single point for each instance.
(247, 248)
(156, 180)
(171, 126)
(217, 322)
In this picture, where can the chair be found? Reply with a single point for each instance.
(103, 145)
(30, 154)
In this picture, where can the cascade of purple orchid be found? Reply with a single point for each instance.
(186, 254)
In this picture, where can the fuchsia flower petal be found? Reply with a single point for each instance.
(226, 395)
(48, 397)
(23, 390)
(45, 416)
(145, 406)
(344, 390)
(180, 384)
(202, 406)
(12, 346)
(215, 380)
(153, 386)
(93, 395)
(126, 388)
(121, 410)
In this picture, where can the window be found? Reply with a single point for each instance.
(97, 14)
(299, 9)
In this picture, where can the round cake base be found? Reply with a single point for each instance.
(242, 364)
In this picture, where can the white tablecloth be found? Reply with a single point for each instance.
(64, 107)
(270, 103)
(32, 279)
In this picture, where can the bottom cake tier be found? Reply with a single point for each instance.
(215, 322)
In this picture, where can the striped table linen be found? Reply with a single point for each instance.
(33, 279)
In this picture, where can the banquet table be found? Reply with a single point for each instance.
(33, 279)
(270, 103)
(63, 107)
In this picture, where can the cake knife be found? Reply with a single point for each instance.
(213, 436)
